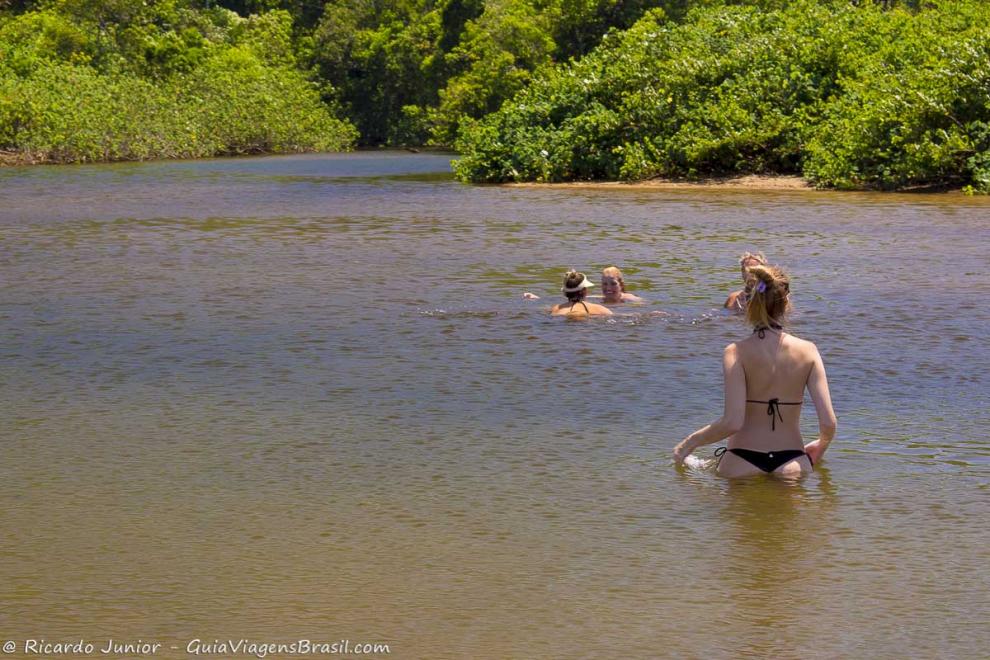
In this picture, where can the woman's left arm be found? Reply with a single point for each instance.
(733, 415)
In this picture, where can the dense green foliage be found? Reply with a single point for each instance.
(848, 93)
(415, 71)
(85, 82)
(154, 78)
(849, 96)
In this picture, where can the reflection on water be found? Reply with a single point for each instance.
(302, 397)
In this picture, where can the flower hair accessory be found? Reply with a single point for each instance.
(761, 287)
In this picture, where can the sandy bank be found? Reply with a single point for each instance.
(13, 159)
(747, 182)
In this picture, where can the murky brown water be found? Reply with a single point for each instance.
(301, 397)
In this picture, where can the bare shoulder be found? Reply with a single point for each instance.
(803, 346)
(585, 309)
(601, 309)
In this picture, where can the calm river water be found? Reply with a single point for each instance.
(302, 398)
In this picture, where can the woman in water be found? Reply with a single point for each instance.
(576, 289)
(737, 299)
(765, 378)
(614, 287)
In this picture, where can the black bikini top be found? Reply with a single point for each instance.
(761, 330)
(586, 310)
(773, 405)
(773, 409)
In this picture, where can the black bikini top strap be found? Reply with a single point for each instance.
(773, 409)
(762, 330)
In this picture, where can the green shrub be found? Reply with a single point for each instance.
(725, 92)
(189, 97)
(35, 37)
(915, 111)
(849, 96)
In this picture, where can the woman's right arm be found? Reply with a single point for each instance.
(733, 414)
(818, 388)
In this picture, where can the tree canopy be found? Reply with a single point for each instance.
(848, 93)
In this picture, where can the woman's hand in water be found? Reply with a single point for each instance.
(530, 296)
(815, 450)
(681, 452)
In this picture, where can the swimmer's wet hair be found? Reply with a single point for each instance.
(572, 279)
(769, 299)
(613, 271)
(755, 256)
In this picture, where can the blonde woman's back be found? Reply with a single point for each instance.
(776, 366)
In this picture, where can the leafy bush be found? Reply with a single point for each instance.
(726, 91)
(420, 69)
(916, 110)
(66, 96)
(381, 60)
(848, 96)
(495, 58)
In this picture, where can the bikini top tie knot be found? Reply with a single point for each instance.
(773, 409)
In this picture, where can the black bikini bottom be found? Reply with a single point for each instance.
(767, 461)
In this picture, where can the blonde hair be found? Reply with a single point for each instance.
(758, 257)
(613, 271)
(768, 307)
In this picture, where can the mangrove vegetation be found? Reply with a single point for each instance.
(880, 94)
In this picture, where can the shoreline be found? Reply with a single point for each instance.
(12, 158)
(752, 182)
(744, 182)
(15, 159)
(737, 182)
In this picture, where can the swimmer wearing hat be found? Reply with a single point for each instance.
(576, 287)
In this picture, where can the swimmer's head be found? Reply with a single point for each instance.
(575, 285)
(769, 297)
(613, 286)
(750, 259)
